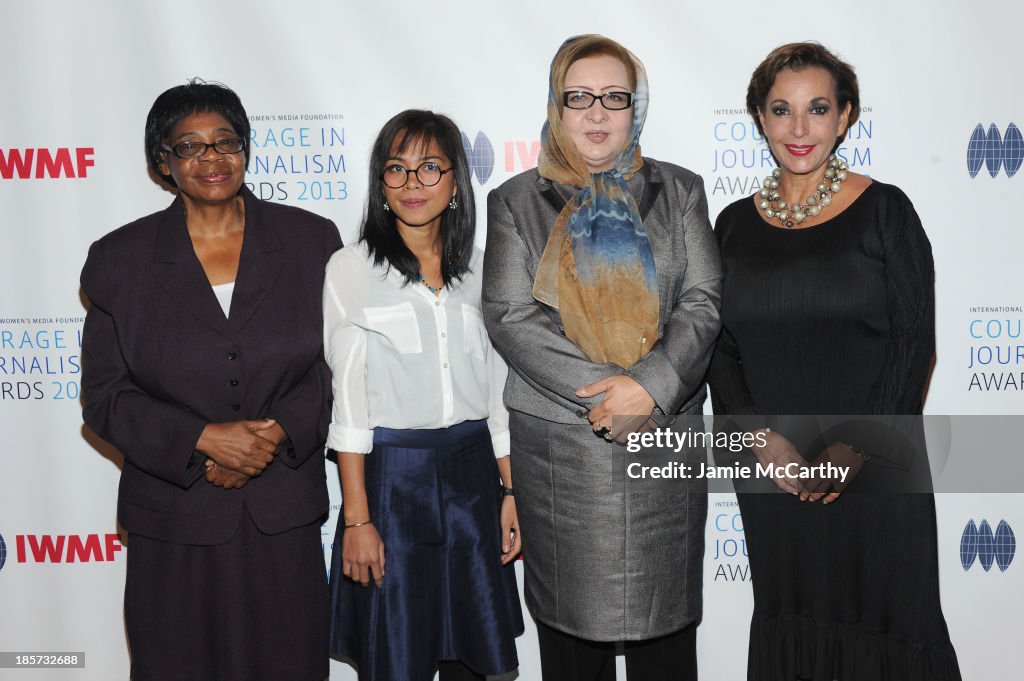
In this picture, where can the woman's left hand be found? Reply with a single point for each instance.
(624, 397)
(841, 455)
(273, 432)
(223, 477)
(511, 543)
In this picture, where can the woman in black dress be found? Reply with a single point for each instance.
(828, 310)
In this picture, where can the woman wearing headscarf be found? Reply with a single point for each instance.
(601, 288)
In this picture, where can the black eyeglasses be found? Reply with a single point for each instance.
(428, 173)
(231, 145)
(613, 101)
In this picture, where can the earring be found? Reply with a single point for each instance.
(386, 206)
(454, 203)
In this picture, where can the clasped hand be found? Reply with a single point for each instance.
(779, 456)
(842, 456)
(780, 453)
(626, 407)
(239, 450)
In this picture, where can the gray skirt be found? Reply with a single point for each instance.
(607, 557)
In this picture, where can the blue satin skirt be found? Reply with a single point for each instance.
(434, 497)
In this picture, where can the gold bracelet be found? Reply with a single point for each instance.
(365, 522)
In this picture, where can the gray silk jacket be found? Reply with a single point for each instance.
(606, 557)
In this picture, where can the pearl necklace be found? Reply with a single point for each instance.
(789, 216)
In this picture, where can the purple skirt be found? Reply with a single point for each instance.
(252, 609)
(434, 497)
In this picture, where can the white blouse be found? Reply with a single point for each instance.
(405, 358)
(224, 292)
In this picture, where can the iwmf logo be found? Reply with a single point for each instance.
(978, 542)
(995, 151)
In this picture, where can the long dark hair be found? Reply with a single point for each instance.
(379, 231)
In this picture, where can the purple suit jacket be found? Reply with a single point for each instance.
(160, 361)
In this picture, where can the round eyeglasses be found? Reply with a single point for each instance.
(613, 101)
(231, 145)
(428, 173)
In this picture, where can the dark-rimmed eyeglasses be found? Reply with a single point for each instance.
(613, 101)
(428, 173)
(231, 145)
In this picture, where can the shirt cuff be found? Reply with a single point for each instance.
(355, 440)
(502, 443)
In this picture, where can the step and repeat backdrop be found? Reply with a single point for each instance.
(941, 116)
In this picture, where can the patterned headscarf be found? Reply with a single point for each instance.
(597, 269)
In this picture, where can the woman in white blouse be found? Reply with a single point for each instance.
(420, 578)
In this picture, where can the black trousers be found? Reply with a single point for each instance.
(564, 657)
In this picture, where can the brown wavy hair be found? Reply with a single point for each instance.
(797, 56)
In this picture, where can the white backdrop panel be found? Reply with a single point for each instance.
(320, 78)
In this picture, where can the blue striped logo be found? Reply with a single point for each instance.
(995, 151)
(481, 156)
(979, 543)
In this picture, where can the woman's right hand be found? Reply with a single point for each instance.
(362, 554)
(779, 453)
(626, 407)
(238, 446)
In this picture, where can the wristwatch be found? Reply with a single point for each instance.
(507, 491)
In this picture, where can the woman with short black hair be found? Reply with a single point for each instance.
(202, 362)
